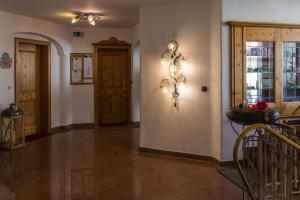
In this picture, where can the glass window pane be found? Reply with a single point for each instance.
(260, 71)
(291, 71)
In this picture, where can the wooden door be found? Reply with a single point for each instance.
(28, 86)
(113, 86)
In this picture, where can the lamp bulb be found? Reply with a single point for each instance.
(163, 61)
(183, 62)
(164, 89)
(171, 46)
(90, 18)
(182, 86)
(92, 23)
(173, 69)
(184, 65)
(75, 20)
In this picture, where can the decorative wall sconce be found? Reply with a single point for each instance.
(175, 61)
(92, 19)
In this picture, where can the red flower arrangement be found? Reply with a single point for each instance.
(259, 106)
(247, 114)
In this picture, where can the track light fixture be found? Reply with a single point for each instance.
(92, 19)
(175, 61)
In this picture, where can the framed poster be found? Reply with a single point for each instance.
(81, 68)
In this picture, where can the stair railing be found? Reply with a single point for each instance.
(269, 167)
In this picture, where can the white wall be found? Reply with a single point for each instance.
(136, 75)
(278, 11)
(135, 34)
(195, 127)
(83, 95)
(12, 26)
(136, 83)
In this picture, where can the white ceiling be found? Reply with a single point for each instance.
(116, 13)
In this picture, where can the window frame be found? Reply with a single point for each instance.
(242, 32)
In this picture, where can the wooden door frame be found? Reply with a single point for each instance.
(48, 75)
(112, 43)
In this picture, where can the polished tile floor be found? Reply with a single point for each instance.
(105, 164)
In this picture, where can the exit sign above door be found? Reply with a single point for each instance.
(77, 34)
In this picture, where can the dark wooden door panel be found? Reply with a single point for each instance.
(27, 86)
(33, 84)
(112, 90)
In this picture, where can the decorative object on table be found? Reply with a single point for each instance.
(90, 18)
(12, 110)
(5, 61)
(12, 128)
(247, 114)
(175, 61)
(81, 68)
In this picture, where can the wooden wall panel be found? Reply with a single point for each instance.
(237, 71)
(290, 34)
(260, 34)
(278, 72)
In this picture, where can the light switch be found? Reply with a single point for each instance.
(204, 88)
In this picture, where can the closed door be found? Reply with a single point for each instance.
(28, 86)
(113, 88)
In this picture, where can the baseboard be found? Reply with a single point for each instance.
(227, 163)
(179, 154)
(59, 129)
(135, 124)
(37, 136)
(72, 127)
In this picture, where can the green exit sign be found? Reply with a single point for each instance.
(78, 34)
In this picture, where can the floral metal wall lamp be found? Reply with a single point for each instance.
(175, 61)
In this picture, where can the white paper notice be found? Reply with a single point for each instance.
(88, 80)
(88, 67)
(76, 76)
(77, 63)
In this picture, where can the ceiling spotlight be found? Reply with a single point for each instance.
(172, 45)
(92, 19)
(92, 23)
(75, 19)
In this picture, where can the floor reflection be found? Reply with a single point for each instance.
(83, 184)
(11, 175)
(23, 172)
(105, 164)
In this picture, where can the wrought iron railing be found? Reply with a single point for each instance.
(269, 165)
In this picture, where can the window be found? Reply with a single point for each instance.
(259, 71)
(265, 65)
(291, 71)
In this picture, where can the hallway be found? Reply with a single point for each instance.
(106, 164)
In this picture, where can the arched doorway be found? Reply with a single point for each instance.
(33, 84)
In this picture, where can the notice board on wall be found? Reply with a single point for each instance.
(81, 68)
